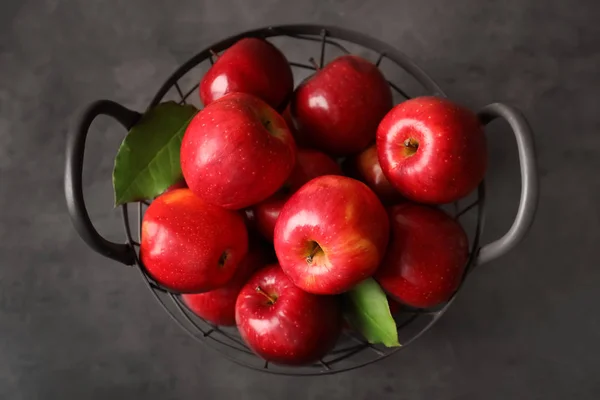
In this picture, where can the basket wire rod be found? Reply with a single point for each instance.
(180, 93)
(315, 39)
(189, 93)
(347, 355)
(304, 66)
(345, 349)
(325, 365)
(127, 226)
(466, 209)
(398, 90)
(379, 59)
(323, 42)
(365, 344)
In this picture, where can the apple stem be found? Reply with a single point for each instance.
(314, 63)
(270, 298)
(214, 54)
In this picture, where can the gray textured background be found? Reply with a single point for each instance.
(76, 326)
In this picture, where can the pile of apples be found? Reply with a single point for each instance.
(341, 183)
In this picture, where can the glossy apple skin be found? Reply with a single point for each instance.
(184, 241)
(218, 306)
(426, 256)
(451, 158)
(298, 328)
(309, 164)
(337, 109)
(230, 159)
(252, 66)
(365, 167)
(349, 224)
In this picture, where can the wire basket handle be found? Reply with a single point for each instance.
(529, 180)
(73, 178)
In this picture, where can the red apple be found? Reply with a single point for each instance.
(189, 245)
(252, 66)
(283, 324)
(237, 152)
(309, 164)
(218, 306)
(338, 108)
(365, 167)
(426, 256)
(266, 214)
(331, 234)
(432, 150)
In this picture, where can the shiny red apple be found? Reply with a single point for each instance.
(309, 164)
(432, 150)
(337, 109)
(237, 152)
(189, 245)
(426, 256)
(331, 234)
(252, 66)
(218, 306)
(284, 324)
(365, 167)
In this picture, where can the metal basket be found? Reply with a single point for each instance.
(351, 350)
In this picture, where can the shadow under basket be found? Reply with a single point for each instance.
(351, 351)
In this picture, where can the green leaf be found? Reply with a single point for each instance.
(148, 160)
(367, 310)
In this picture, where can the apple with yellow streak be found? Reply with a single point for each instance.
(331, 234)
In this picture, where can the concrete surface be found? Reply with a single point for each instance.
(76, 326)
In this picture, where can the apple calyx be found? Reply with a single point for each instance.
(410, 146)
(314, 251)
(223, 258)
(270, 298)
